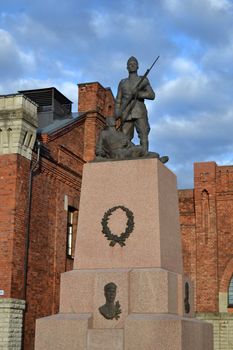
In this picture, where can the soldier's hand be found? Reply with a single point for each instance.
(117, 113)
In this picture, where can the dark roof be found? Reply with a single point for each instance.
(43, 97)
(59, 124)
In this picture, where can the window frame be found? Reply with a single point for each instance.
(70, 226)
(230, 294)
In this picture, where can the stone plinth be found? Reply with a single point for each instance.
(148, 189)
(11, 322)
(62, 332)
(151, 290)
(156, 299)
(166, 332)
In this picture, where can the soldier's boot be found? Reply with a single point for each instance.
(145, 146)
(164, 159)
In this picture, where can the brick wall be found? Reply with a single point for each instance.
(99, 102)
(188, 234)
(56, 185)
(94, 97)
(14, 175)
(74, 143)
(53, 185)
(207, 239)
(207, 232)
(7, 207)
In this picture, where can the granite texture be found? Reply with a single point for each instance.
(148, 189)
(62, 331)
(166, 332)
(105, 339)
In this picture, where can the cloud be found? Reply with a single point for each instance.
(62, 44)
(206, 137)
(209, 20)
(217, 61)
(13, 60)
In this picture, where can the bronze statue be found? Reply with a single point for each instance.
(130, 106)
(110, 309)
(115, 145)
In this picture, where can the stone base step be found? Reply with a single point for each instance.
(166, 332)
(140, 332)
(63, 332)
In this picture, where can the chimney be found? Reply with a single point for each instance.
(94, 97)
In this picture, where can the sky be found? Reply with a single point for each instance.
(66, 42)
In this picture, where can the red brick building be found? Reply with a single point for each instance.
(40, 191)
(206, 217)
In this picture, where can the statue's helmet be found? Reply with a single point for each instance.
(132, 58)
(110, 121)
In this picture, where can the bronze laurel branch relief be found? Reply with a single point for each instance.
(124, 235)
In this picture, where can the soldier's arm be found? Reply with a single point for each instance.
(146, 91)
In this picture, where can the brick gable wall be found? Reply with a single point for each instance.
(207, 232)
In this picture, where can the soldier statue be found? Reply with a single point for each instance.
(130, 106)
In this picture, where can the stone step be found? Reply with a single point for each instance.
(62, 332)
(166, 332)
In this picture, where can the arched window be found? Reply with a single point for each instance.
(230, 293)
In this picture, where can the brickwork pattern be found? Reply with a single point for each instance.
(74, 142)
(48, 239)
(94, 97)
(56, 184)
(14, 173)
(207, 234)
(207, 238)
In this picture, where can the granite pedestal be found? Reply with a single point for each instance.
(156, 307)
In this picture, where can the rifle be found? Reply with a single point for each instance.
(128, 105)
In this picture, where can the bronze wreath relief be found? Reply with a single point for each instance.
(124, 235)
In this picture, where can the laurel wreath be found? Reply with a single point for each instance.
(124, 235)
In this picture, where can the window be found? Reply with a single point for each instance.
(230, 293)
(29, 140)
(71, 226)
(25, 137)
